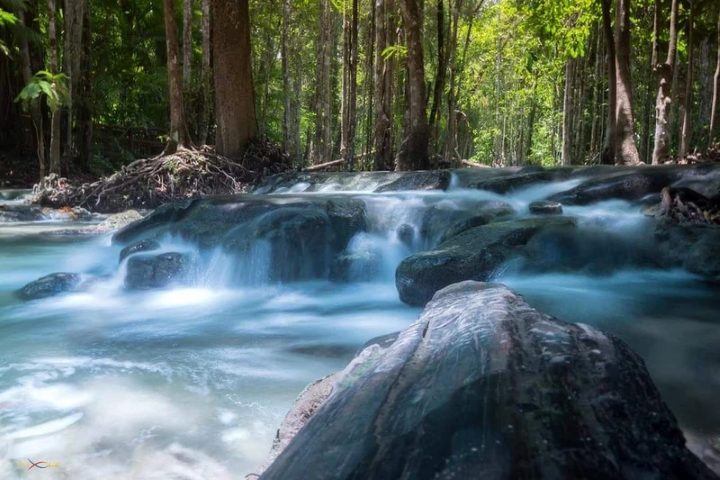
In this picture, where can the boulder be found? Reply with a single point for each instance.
(358, 266)
(347, 218)
(146, 271)
(474, 254)
(170, 212)
(482, 386)
(685, 205)
(148, 245)
(51, 285)
(703, 257)
(545, 207)
(20, 213)
(427, 180)
(117, 221)
(442, 222)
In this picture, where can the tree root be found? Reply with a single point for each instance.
(150, 182)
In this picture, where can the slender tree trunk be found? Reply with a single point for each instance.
(609, 149)
(383, 95)
(451, 144)
(54, 69)
(645, 152)
(84, 95)
(178, 127)
(626, 150)
(439, 84)
(687, 127)
(72, 53)
(349, 87)
(661, 150)
(206, 73)
(35, 110)
(323, 93)
(716, 89)
(568, 125)
(232, 71)
(187, 44)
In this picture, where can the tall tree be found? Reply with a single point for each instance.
(383, 81)
(74, 14)
(716, 89)
(349, 83)
(413, 153)
(664, 73)
(187, 43)
(686, 133)
(178, 127)
(206, 72)
(232, 70)
(323, 88)
(55, 166)
(609, 149)
(626, 151)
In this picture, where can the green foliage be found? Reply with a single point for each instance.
(6, 19)
(52, 86)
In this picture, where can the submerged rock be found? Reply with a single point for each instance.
(482, 386)
(347, 217)
(359, 266)
(441, 222)
(148, 245)
(427, 180)
(145, 271)
(51, 285)
(545, 207)
(472, 255)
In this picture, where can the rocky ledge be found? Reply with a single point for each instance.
(482, 386)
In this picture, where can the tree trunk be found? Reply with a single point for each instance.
(206, 73)
(84, 89)
(323, 94)
(626, 150)
(55, 121)
(413, 154)
(647, 114)
(661, 150)
(35, 110)
(383, 94)
(187, 44)
(609, 150)
(349, 84)
(686, 136)
(441, 68)
(451, 144)
(716, 88)
(72, 57)
(232, 71)
(178, 127)
(568, 125)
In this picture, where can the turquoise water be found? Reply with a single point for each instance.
(193, 382)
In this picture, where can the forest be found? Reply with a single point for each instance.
(87, 86)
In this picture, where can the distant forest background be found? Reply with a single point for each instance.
(380, 84)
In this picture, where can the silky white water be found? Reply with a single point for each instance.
(192, 383)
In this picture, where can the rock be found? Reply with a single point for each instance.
(706, 182)
(146, 271)
(442, 222)
(703, 257)
(20, 213)
(428, 180)
(170, 212)
(148, 245)
(383, 341)
(51, 285)
(406, 234)
(472, 255)
(685, 205)
(360, 266)
(347, 217)
(626, 183)
(545, 207)
(482, 386)
(118, 221)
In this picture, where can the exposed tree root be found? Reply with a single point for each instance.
(150, 182)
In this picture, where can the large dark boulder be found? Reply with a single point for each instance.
(505, 180)
(147, 245)
(51, 285)
(147, 271)
(443, 221)
(347, 217)
(482, 386)
(703, 257)
(170, 212)
(474, 254)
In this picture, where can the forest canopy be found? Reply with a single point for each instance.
(91, 85)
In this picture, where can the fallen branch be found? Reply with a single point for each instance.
(320, 166)
(468, 163)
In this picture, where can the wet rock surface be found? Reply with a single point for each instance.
(483, 386)
(474, 254)
(545, 207)
(51, 285)
(148, 245)
(147, 271)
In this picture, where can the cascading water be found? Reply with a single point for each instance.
(192, 382)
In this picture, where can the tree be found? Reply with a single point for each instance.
(349, 83)
(686, 132)
(54, 70)
(383, 83)
(232, 71)
(413, 153)
(664, 96)
(178, 126)
(626, 151)
(716, 87)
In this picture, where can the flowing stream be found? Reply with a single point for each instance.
(192, 383)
